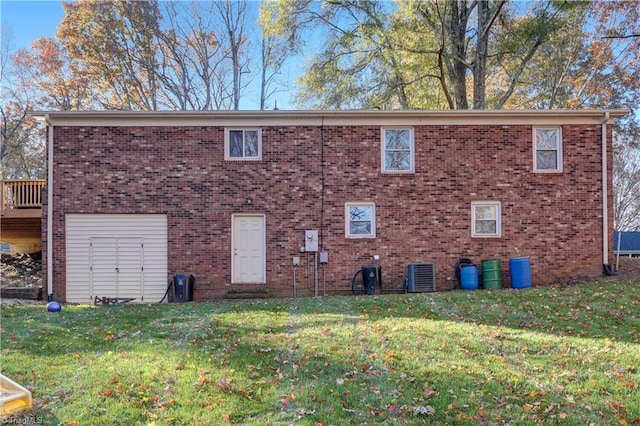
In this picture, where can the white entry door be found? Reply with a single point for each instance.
(248, 249)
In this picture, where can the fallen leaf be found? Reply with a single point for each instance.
(284, 402)
(428, 392)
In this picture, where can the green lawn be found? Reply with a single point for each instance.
(567, 356)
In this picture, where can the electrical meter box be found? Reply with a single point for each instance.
(311, 241)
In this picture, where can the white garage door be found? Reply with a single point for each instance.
(116, 256)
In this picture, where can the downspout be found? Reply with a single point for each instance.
(618, 250)
(49, 208)
(605, 194)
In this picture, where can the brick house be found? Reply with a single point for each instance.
(228, 196)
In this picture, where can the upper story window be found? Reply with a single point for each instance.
(397, 150)
(547, 149)
(360, 218)
(486, 219)
(243, 144)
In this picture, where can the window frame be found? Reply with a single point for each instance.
(244, 130)
(347, 218)
(412, 150)
(498, 206)
(558, 150)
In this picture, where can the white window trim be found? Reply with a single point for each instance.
(412, 149)
(227, 142)
(498, 206)
(535, 150)
(349, 204)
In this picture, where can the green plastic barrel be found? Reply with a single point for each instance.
(491, 274)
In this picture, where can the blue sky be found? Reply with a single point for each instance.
(29, 20)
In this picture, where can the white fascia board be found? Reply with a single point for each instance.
(327, 118)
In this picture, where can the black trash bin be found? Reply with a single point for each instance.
(372, 278)
(183, 287)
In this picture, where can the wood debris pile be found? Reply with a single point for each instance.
(21, 270)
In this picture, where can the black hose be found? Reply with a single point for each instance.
(167, 292)
(353, 282)
(463, 261)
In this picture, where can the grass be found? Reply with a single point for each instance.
(565, 356)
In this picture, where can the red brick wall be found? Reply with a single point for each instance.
(306, 175)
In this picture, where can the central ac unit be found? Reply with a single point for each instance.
(421, 277)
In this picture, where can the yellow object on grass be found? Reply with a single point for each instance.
(13, 397)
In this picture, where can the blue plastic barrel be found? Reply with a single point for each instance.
(520, 271)
(469, 277)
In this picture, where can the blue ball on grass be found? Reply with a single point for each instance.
(54, 306)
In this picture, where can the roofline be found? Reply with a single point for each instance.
(327, 117)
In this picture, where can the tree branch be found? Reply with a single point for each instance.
(622, 36)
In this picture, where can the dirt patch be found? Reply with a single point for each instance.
(629, 267)
(20, 302)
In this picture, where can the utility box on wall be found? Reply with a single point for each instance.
(311, 241)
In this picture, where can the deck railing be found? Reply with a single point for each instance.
(22, 194)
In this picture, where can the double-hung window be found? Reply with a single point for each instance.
(360, 220)
(486, 219)
(243, 144)
(547, 149)
(397, 150)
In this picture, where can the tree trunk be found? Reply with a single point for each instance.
(457, 30)
(480, 60)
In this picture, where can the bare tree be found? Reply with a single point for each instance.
(626, 180)
(192, 58)
(233, 18)
(275, 49)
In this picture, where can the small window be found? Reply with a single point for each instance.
(547, 147)
(485, 219)
(360, 220)
(397, 150)
(243, 144)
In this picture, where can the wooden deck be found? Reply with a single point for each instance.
(21, 215)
